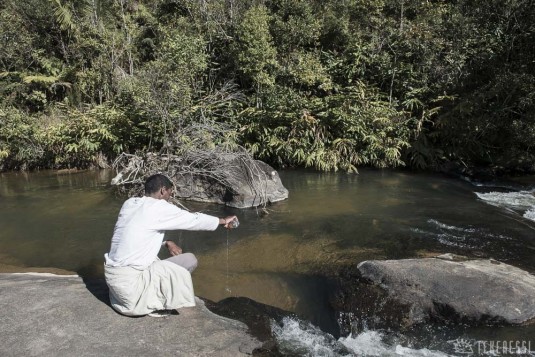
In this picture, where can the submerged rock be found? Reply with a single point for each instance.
(257, 316)
(470, 291)
(283, 333)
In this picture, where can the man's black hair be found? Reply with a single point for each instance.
(155, 182)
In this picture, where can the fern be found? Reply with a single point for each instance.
(40, 79)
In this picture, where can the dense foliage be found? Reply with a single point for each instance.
(327, 84)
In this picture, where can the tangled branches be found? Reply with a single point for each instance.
(204, 163)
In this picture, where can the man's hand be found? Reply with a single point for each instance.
(226, 221)
(173, 248)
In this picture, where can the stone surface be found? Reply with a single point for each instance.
(246, 188)
(49, 315)
(471, 291)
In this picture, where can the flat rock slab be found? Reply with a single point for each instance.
(50, 315)
(473, 291)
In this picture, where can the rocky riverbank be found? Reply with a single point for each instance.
(47, 314)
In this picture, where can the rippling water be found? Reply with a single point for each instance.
(286, 255)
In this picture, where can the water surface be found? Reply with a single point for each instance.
(284, 255)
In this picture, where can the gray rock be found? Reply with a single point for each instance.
(472, 291)
(50, 315)
(238, 182)
(246, 187)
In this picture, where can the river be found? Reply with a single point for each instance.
(287, 254)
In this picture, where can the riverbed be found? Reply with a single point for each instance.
(288, 254)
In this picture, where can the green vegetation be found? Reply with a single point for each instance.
(324, 84)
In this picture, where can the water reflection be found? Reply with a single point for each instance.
(55, 220)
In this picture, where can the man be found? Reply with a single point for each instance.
(139, 282)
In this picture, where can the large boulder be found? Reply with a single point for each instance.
(231, 179)
(244, 187)
(468, 291)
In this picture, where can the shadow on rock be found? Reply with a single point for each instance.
(99, 289)
(362, 305)
(257, 316)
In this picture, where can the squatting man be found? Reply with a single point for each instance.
(139, 282)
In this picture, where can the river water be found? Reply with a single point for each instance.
(287, 254)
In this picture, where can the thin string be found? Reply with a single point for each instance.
(227, 288)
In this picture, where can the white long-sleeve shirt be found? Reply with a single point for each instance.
(141, 226)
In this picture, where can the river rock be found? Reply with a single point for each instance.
(50, 315)
(471, 291)
(245, 183)
(246, 187)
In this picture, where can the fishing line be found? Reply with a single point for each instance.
(227, 288)
(234, 224)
